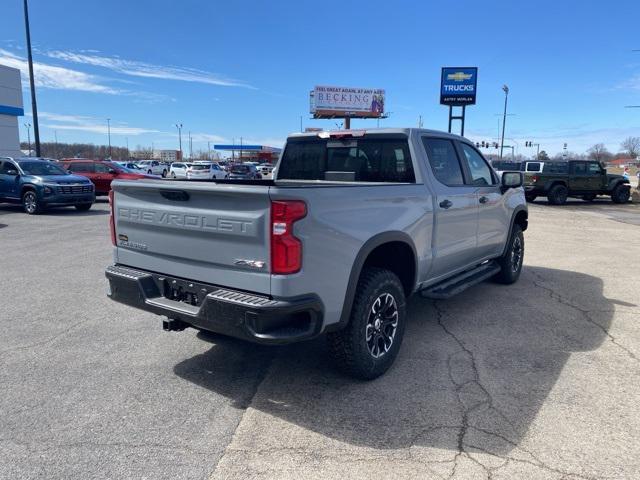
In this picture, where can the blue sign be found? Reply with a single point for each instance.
(458, 86)
(13, 111)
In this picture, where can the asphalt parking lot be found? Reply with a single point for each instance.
(539, 380)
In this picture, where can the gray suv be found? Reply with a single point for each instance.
(353, 224)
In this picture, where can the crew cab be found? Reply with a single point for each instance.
(39, 183)
(352, 225)
(584, 179)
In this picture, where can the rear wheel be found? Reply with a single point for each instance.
(83, 207)
(164, 174)
(558, 195)
(369, 344)
(589, 198)
(31, 203)
(173, 174)
(149, 172)
(621, 194)
(511, 262)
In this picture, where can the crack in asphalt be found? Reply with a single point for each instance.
(46, 340)
(465, 427)
(585, 314)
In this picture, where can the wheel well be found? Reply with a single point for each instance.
(25, 188)
(557, 183)
(397, 257)
(522, 219)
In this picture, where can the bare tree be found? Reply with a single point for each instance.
(599, 152)
(632, 146)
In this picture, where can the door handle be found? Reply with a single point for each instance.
(445, 204)
(483, 199)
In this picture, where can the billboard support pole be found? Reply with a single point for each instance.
(457, 117)
(347, 123)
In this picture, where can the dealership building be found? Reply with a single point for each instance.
(10, 109)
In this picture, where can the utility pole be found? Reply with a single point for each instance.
(28, 125)
(55, 136)
(109, 135)
(208, 150)
(190, 146)
(32, 83)
(505, 89)
(179, 127)
(420, 124)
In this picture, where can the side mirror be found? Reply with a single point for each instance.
(112, 172)
(13, 173)
(511, 180)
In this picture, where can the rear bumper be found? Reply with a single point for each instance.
(248, 316)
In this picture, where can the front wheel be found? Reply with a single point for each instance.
(511, 262)
(164, 174)
(621, 194)
(173, 174)
(369, 344)
(83, 207)
(31, 203)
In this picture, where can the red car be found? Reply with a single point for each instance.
(100, 172)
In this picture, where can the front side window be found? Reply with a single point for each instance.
(594, 168)
(444, 161)
(6, 167)
(385, 160)
(479, 169)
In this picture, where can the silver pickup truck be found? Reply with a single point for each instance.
(353, 223)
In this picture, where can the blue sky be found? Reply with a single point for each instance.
(245, 68)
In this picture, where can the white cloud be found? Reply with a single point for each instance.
(51, 76)
(632, 83)
(83, 123)
(147, 70)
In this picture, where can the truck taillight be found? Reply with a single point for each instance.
(286, 248)
(534, 179)
(112, 220)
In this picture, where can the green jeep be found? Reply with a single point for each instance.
(584, 179)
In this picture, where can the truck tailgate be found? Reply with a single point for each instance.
(201, 231)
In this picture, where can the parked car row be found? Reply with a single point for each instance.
(39, 183)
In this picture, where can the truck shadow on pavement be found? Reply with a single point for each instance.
(473, 372)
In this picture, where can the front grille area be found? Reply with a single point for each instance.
(70, 189)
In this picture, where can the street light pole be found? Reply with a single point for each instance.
(505, 89)
(190, 146)
(109, 135)
(179, 127)
(34, 105)
(28, 125)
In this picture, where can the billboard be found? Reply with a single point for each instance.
(458, 86)
(327, 102)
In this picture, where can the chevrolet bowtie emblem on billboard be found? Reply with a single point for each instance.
(459, 76)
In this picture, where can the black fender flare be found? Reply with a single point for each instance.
(615, 183)
(356, 269)
(518, 209)
(552, 183)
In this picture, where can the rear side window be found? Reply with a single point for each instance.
(579, 168)
(533, 167)
(356, 160)
(6, 166)
(555, 168)
(444, 161)
(82, 167)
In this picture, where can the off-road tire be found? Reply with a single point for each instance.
(349, 347)
(509, 272)
(621, 194)
(558, 195)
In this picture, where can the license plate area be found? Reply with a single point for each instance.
(183, 291)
